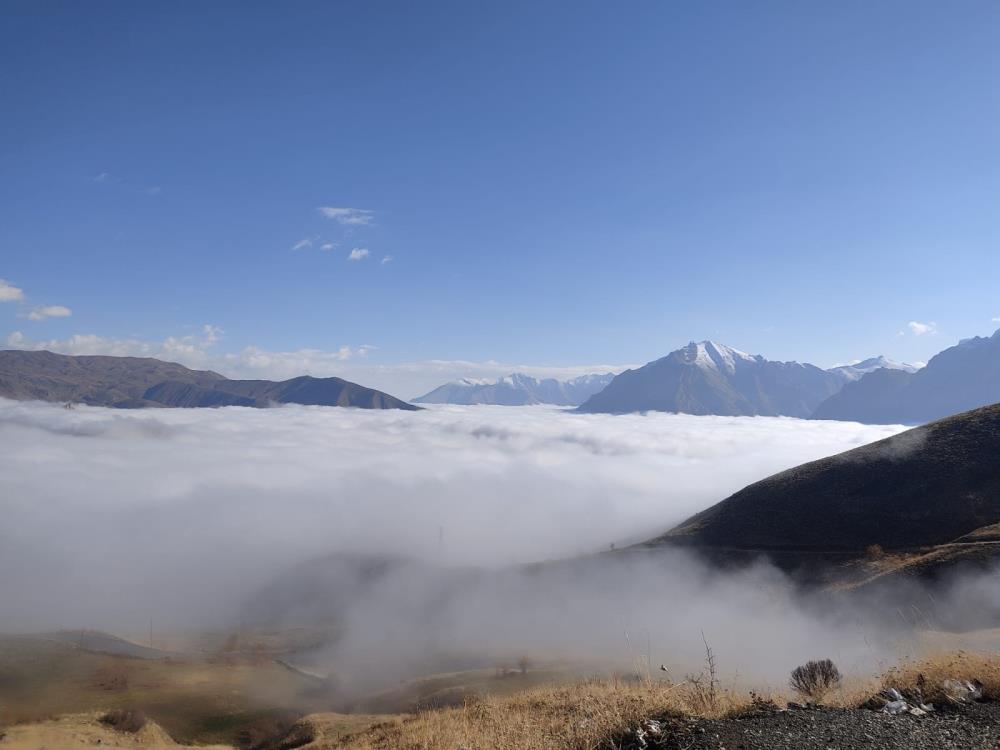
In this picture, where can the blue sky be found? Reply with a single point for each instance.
(554, 184)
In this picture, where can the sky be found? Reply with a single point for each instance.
(404, 193)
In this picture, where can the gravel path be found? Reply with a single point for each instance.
(973, 727)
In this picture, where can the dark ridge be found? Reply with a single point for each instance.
(927, 486)
(135, 382)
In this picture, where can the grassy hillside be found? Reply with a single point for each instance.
(195, 700)
(928, 486)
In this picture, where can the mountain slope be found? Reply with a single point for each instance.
(518, 389)
(710, 378)
(960, 378)
(927, 486)
(133, 382)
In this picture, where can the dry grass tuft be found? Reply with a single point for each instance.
(928, 673)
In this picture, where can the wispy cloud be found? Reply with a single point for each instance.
(102, 177)
(996, 319)
(48, 311)
(386, 259)
(154, 190)
(303, 244)
(328, 246)
(921, 329)
(358, 253)
(197, 350)
(348, 216)
(9, 292)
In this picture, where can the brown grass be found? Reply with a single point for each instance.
(936, 668)
(597, 714)
(581, 716)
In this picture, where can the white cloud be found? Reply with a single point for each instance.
(921, 329)
(189, 349)
(49, 311)
(191, 495)
(303, 244)
(9, 292)
(348, 216)
(328, 246)
(358, 253)
(102, 177)
(386, 259)
(996, 320)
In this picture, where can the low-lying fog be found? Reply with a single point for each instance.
(114, 518)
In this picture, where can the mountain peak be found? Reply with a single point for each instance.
(713, 355)
(706, 377)
(518, 389)
(856, 370)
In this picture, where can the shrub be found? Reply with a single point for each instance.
(875, 552)
(125, 720)
(275, 734)
(815, 679)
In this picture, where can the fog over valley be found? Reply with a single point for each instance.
(116, 517)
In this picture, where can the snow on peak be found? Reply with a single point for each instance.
(471, 381)
(711, 355)
(857, 369)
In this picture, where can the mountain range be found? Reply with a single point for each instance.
(701, 378)
(134, 382)
(710, 378)
(961, 377)
(518, 389)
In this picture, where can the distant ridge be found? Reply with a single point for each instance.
(961, 377)
(518, 389)
(710, 378)
(858, 370)
(136, 382)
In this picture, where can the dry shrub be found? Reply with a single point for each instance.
(124, 720)
(814, 679)
(274, 733)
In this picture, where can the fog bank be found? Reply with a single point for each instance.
(112, 517)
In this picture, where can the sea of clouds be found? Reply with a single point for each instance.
(112, 518)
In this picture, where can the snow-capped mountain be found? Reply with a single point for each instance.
(958, 379)
(518, 389)
(710, 378)
(858, 370)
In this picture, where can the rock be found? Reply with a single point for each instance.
(894, 708)
(963, 691)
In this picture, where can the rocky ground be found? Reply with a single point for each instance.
(969, 727)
